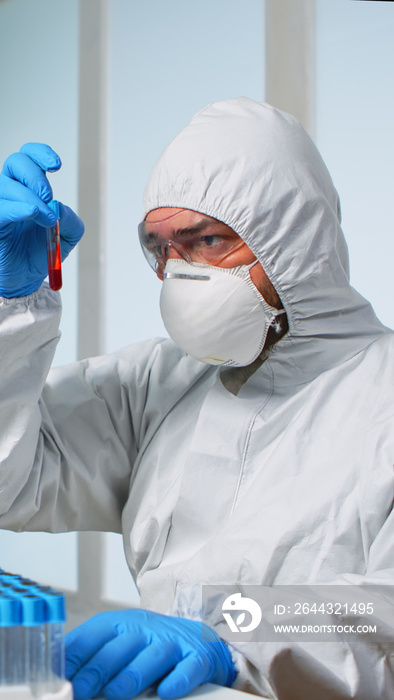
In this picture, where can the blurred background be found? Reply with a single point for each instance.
(108, 83)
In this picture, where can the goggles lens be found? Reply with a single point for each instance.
(207, 241)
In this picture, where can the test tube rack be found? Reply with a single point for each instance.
(32, 655)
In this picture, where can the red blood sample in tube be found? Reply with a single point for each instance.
(54, 257)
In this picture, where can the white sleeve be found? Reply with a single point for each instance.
(65, 447)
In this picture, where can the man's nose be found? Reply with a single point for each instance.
(167, 251)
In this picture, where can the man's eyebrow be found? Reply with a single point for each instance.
(185, 231)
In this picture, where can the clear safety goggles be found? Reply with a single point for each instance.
(205, 240)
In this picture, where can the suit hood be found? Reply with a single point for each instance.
(256, 169)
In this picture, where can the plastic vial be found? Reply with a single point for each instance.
(32, 656)
(10, 613)
(55, 616)
(53, 250)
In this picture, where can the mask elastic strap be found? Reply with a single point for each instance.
(276, 312)
(252, 264)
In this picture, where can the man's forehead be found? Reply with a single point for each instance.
(164, 214)
(169, 221)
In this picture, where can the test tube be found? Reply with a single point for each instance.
(54, 251)
(32, 651)
(8, 587)
(9, 638)
(55, 617)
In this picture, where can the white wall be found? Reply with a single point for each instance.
(355, 107)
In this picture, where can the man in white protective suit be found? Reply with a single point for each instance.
(254, 447)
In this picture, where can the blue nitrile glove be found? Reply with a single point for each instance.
(25, 216)
(123, 652)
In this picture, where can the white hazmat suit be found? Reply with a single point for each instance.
(287, 479)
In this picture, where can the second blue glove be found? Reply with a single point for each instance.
(123, 652)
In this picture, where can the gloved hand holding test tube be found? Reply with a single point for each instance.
(32, 223)
(53, 250)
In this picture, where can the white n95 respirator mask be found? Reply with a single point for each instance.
(215, 314)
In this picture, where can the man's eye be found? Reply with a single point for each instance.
(210, 241)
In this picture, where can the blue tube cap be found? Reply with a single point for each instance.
(55, 606)
(10, 611)
(54, 205)
(33, 610)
